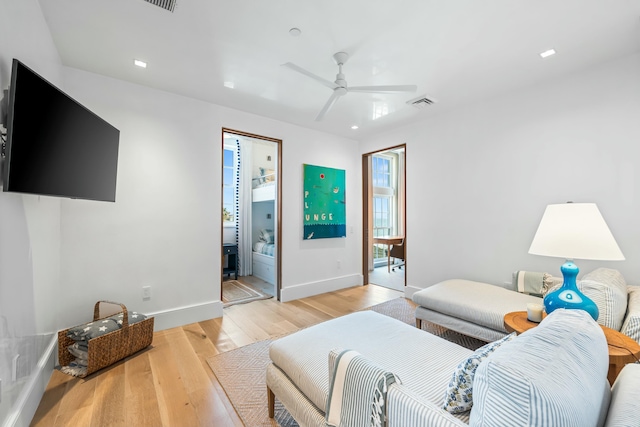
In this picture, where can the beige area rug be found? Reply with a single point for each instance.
(241, 372)
(234, 292)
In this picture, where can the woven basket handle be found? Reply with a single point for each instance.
(125, 317)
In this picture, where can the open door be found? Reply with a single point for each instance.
(251, 217)
(384, 217)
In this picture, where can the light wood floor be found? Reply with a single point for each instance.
(171, 384)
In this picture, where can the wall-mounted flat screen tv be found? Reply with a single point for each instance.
(55, 146)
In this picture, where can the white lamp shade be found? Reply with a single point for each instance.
(575, 231)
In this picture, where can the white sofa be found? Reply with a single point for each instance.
(542, 377)
(477, 309)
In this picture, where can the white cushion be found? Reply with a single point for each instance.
(608, 289)
(631, 324)
(552, 375)
(624, 409)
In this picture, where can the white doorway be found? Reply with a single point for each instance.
(251, 206)
(384, 217)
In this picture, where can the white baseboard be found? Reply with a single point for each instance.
(27, 402)
(304, 290)
(179, 316)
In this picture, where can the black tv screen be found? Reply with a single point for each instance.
(55, 146)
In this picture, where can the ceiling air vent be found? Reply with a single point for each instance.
(169, 5)
(421, 101)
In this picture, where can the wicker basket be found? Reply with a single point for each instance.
(112, 347)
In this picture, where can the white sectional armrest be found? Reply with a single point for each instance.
(406, 408)
(631, 323)
(625, 398)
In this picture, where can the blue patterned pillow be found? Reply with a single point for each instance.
(459, 394)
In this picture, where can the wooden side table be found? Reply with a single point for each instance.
(622, 349)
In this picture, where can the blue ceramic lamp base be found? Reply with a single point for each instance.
(568, 296)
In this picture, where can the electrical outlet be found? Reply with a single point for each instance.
(146, 293)
(338, 264)
(268, 216)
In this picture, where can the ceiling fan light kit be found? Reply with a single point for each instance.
(340, 87)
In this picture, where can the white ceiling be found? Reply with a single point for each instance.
(456, 51)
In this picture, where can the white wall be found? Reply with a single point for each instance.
(164, 229)
(479, 178)
(262, 151)
(29, 239)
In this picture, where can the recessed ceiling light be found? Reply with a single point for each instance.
(354, 127)
(547, 53)
(139, 63)
(230, 85)
(295, 32)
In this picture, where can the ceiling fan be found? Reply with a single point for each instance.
(340, 87)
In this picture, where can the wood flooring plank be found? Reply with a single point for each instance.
(110, 392)
(141, 400)
(200, 341)
(78, 404)
(188, 364)
(237, 336)
(210, 409)
(221, 332)
(249, 324)
(218, 410)
(79, 417)
(47, 411)
(261, 324)
(173, 400)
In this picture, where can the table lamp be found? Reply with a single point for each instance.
(573, 231)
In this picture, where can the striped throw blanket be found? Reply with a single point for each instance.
(532, 283)
(358, 392)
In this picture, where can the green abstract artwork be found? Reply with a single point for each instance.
(324, 203)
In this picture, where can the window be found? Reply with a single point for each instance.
(229, 184)
(382, 225)
(384, 201)
(382, 171)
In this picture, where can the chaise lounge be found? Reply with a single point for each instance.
(478, 309)
(542, 377)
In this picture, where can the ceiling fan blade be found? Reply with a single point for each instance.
(325, 82)
(383, 89)
(332, 100)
